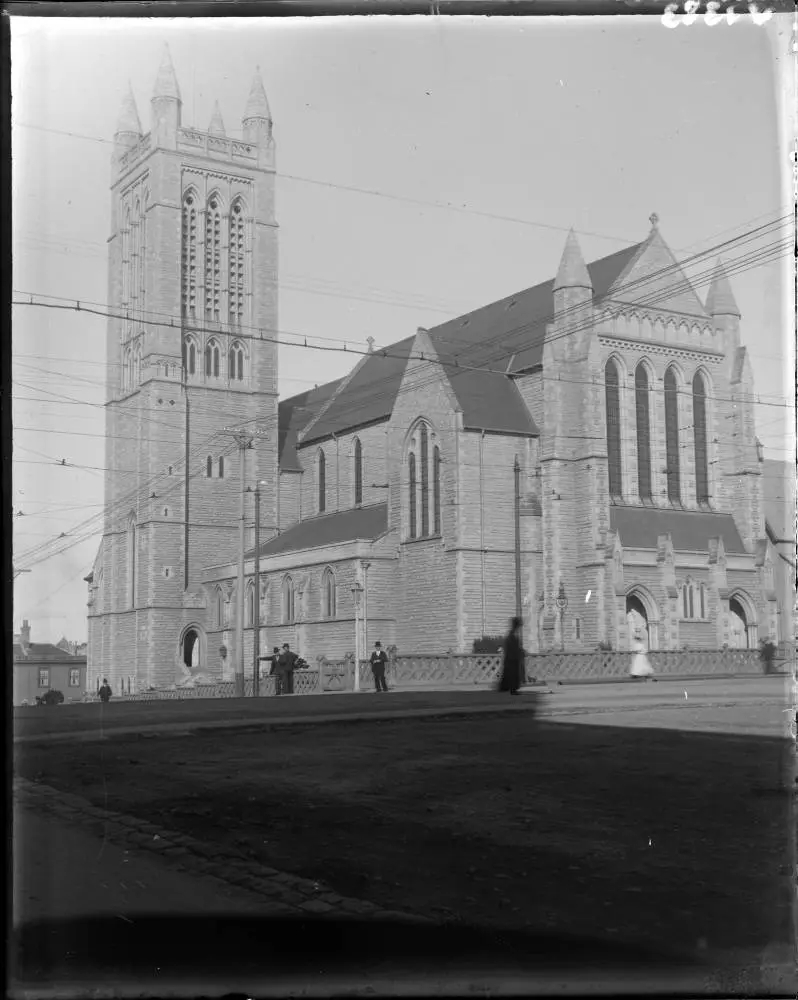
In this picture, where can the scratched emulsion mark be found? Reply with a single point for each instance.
(672, 18)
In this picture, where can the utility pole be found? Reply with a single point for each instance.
(256, 616)
(517, 472)
(243, 437)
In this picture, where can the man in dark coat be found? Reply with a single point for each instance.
(379, 661)
(285, 669)
(272, 661)
(513, 671)
(105, 692)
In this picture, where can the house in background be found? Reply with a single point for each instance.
(40, 667)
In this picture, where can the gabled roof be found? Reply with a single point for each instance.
(293, 415)
(354, 524)
(506, 335)
(45, 652)
(690, 531)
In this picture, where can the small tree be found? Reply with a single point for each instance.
(767, 654)
(50, 697)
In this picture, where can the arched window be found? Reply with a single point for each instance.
(235, 366)
(700, 440)
(236, 258)
(328, 593)
(643, 433)
(288, 601)
(135, 255)
(321, 464)
(358, 471)
(424, 481)
(613, 403)
(221, 466)
(209, 467)
(190, 355)
(702, 595)
(212, 359)
(436, 490)
(213, 259)
(219, 607)
(132, 568)
(189, 255)
(412, 493)
(250, 604)
(672, 435)
(126, 259)
(143, 250)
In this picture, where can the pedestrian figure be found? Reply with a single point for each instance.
(271, 659)
(513, 669)
(641, 667)
(285, 667)
(105, 692)
(379, 661)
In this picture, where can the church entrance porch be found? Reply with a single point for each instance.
(191, 649)
(739, 627)
(641, 620)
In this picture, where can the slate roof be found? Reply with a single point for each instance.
(46, 652)
(357, 523)
(690, 531)
(778, 493)
(293, 415)
(506, 335)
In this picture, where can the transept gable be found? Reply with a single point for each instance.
(654, 277)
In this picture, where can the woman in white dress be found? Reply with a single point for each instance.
(641, 666)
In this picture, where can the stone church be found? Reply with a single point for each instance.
(594, 431)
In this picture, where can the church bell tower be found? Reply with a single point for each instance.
(192, 354)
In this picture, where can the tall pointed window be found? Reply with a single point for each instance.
(613, 403)
(358, 471)
(213, 259)
(235, 365)
(189, 256)
(643, 434)
(209, 467)
(132, 568)
(143, 250)
(219, 607)
(212, 354)
(126, 259)
(322, 481)
(288, 601)
(190, 355)
(411, 486)
(328, 593)
(236, 257)
(672, 435)
(135, 255)
(424, 481)
(436, 490)
(700, 440)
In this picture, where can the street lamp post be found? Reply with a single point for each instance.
(562, 604)
(357, 593)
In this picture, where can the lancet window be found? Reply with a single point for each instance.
(213, 259)
(189, 256)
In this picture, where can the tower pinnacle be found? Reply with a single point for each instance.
(216, 126)
(166, 81)
(257, 103)
(572, 272)
(128, 121)
(720, 298)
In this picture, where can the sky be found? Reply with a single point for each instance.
(481, 142)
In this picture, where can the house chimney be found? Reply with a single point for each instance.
(24, 634)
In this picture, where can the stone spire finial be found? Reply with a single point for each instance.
(216, 126)
(166, 81)
(572, 272)
(720, 298)
(128, 120)
(257, 103)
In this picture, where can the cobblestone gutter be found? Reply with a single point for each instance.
(288, 894)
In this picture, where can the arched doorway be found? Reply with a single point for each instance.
(637, 620)
(191, 649)
(739, 636)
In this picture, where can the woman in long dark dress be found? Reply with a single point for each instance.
(513, 669)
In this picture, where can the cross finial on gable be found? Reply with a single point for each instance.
(654, 220)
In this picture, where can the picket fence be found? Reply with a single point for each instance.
(475, 670)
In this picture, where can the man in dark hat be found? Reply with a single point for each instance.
(272, 661)
(513, 669)
(379, 661)
(285, 669)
